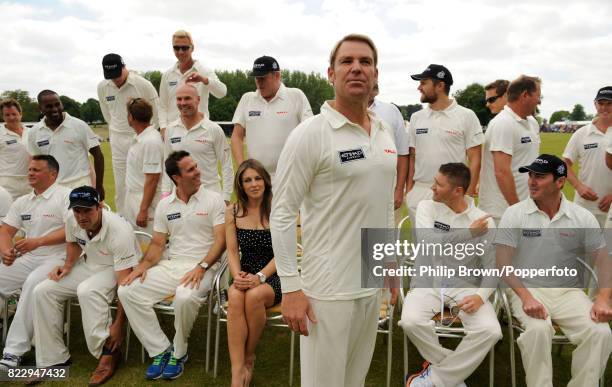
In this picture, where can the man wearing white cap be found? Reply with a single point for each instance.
(119, 87)
(186, 70)
(267, 116)
(443, 132)
(26, 263)
(101, 251)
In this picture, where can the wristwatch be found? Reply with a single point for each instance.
(204, 265)
(262, 277)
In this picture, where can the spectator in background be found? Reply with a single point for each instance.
(14, 157)
(186, 70)
(256, 285)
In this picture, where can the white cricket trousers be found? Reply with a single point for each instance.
(95, 287)
(16, 186)
(161, 282)
(418, 193)
(120, 144)
(571, 310)
(338, 350)
(131, 208)
(26, 272)
(449, 368)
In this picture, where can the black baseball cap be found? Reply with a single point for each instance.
(435, 71)
(545, 164)
(263, 65)
(84, 196)
(604, 93)
(112, 64)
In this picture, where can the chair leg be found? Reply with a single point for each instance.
(5, 320)
(389, 347)
(492, 367)
(405, 355)
(68, 322)
(208, 331)
(142, 354)
(128, 332)
(217, 329)
(291, 358)
(512, 360)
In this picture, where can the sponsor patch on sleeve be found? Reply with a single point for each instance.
(81, 242)
(441, 226)
(525, 140)
(176, 215)
(351, 155)
(11, 142)
(532, 233)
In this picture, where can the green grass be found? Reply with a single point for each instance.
(273, 353)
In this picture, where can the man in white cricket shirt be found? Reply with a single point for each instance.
(193, 219)
(205, 141)
(186, 70)
(443, 132)
(587, 146)
(391, 115)
(101, 251)
(339, 168)
(522, 237)
(609, 161)
(267, 116)
(145, 159)
(119, 86)
(512, 140)
(451, 217)
(68, 139)
(14, 158)
(26, 263)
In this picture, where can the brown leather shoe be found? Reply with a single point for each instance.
(106, 368)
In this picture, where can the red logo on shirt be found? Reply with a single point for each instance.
(392, 151)
(202, 213)
(103, 252)
(282, 113)
(200, 140)
(452, 132)
(68, 141)
(48, 216)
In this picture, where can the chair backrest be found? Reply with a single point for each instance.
(144, 240)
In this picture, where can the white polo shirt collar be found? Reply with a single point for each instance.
(564, 210)
(430, 112)
(281, 93)
(518, 118)
(48, 192)
(196, 196)
(337, 120)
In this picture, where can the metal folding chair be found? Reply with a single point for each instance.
(385, 327)
(5, 312)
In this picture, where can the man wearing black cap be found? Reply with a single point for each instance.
(119, 87)
(444, 132)
(26, 263)
(587, 146)
(267, 116)
(101, 250)
(523, 237)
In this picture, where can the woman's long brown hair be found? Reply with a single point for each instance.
(266, 203)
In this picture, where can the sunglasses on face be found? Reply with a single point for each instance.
(181, 48)
(492, 99)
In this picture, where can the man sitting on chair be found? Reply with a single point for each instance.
(450, 217)
(193, 218)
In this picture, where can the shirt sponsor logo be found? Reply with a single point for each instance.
(200, 140)
(124, 258)
(174, 140)
(351, 155)
(103, 253)
(392, 151)
(531, 233)
(422, 130)
(42, 143)
(254, 113)
(48, 216)
(282, 113)
(525, 140)
(172, 83)
(176, 215)
(441, 226)
(81, 242)
(110, 98)
(453, 132)
(66, 141)
(202, 213)
(11, 142)
(26, 217)
(591, 146)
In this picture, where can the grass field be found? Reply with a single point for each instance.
(273, 352)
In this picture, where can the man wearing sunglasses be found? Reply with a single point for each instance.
(119, 87)
(101, 251)
(26, 262)
(495, 95)
(186, 70)
(512, 140)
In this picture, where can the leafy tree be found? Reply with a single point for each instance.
(578, 113)
(316, 88)
(90, 111)
(222, 109)
(154, 77)
(559, 115)
(29, 107)
(71, 106)
(473, 98)
(408, 110)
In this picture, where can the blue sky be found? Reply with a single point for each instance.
(59, 44)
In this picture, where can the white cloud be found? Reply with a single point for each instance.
(59, 44)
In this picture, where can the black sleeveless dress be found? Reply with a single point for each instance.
(256, 249)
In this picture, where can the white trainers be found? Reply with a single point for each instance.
(9, 361)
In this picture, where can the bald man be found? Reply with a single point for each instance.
(195, 133)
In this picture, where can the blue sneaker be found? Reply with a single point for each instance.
(155, 370)
(175, 367)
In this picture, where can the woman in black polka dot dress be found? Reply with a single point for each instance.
(256, 286)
